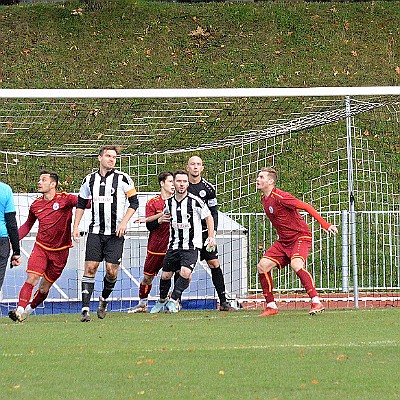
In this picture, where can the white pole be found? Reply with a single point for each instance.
(351, 200)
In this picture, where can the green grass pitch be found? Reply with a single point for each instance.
(341, 354)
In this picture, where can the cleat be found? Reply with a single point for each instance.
(85, 316)
(17, 316)
(316, 308)
(140, 308)
(173, 306)
(268, 312)
(158, 307)
(102, 309)
(226, 306)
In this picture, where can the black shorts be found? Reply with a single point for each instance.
(104, 247)
(175, 259)
(208, 255)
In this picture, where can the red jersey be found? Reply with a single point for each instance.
(282, 209)
(159, 237)
(55, 217)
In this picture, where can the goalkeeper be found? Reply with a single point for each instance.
(206, 191)
(294, 243)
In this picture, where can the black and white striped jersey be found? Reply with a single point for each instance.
(186, 216)
(206, 191)
(108, 194)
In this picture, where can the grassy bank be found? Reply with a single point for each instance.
(139, 44)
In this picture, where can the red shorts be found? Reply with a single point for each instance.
(283, 253)
(49, 264)
(153, 264)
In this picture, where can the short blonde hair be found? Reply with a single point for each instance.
(271, 173)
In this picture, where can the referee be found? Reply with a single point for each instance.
(109, 190)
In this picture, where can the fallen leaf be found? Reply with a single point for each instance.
(314, 382)
(341, 357)
(397, 69)
(199, 32)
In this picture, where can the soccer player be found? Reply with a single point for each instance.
(109, 190)
(206, 191)
(186, 240)
(8, 231)
(294, 241)
(50, 252)
(157, 222)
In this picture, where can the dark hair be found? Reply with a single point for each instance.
(53, 175)
(180, 172)
(109, 147)
(162, 176)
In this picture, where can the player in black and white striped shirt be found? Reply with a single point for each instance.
(186, 239)
(109, 190)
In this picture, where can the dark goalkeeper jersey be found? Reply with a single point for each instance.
(206, 191)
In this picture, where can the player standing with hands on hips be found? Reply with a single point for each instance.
(206, 191)
(294, 243)
(109, 191)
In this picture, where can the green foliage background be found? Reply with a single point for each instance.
(147, 44)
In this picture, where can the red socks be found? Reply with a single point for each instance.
(307, 281)
(25, 294)
(267, 286)
(144, 291)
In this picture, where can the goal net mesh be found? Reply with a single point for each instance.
(307, 139)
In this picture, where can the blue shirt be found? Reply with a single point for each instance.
(6, 206)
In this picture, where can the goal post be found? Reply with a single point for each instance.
(336, 148)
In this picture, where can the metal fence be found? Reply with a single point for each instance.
(365, 262)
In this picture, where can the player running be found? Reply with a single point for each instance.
(50, 252)
(294, 243)
(157, 222)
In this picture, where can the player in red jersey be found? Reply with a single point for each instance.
(157, 222)
(294, 242)
(53, 210)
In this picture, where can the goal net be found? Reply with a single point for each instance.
(336, 148)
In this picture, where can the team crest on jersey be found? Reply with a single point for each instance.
(56, 206)
(202, 193)
(271, 210)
